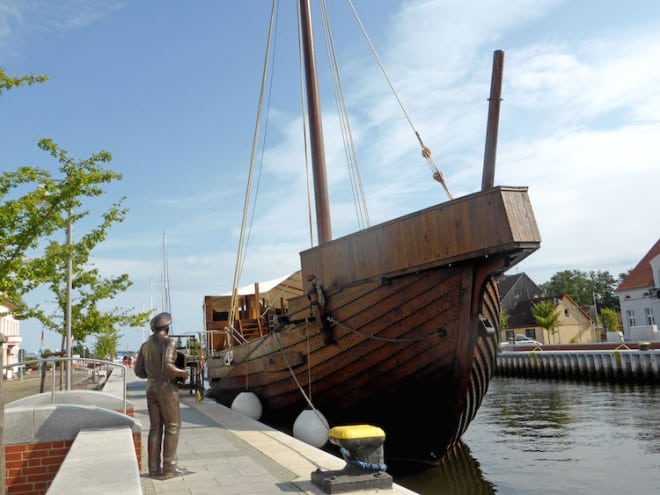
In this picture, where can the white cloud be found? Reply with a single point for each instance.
(579, 83)
(21, 18)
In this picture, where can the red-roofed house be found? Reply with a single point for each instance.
(639, 295)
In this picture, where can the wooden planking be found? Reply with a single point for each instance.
(334, 367)
(485, 352)
(485, 223)
(522, 222)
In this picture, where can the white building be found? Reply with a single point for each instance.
(10, 328)
(639, 295)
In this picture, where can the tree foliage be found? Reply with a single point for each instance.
(584, 287)
(9, 82)
(504, 320)
(546, 316)
(24, 216)
(106, 344)
(81, 349)
(610, 320)
(45, 205)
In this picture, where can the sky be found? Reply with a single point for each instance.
(171, 89)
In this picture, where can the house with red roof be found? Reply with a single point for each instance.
(639, 295)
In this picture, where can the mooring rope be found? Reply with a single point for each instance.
(361, 464)
(295, 379)
(441, 333)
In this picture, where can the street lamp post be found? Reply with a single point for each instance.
(69, 290)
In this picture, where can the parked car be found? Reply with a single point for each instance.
(520, 341)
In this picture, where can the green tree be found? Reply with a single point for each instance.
(504, 323)
(609, 319)
(26, 217)
(546, 316)
(81, 349)
(83, 180)
(106, 343)
(504, 320)
(583, 287)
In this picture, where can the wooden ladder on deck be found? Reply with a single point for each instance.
(251, 329)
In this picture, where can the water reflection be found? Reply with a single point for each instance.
(458, 473)
(543, 436)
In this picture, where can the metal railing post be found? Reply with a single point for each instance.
(55, 360)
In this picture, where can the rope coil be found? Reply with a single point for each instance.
(368, 466)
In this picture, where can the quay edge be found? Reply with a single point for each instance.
(621, 364)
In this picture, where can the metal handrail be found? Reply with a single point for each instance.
(44, 362)
(234, 335)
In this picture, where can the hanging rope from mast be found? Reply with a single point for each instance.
(248, 190)
(359, 197)
(426, 152)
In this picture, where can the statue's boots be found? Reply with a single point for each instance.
(170, 442)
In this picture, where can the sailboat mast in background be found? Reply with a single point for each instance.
(166, 300)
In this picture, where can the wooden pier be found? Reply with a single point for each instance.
(615, 365)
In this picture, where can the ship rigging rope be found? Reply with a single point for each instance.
(359, 198)
(309, 361)
(426, 152)
(246, 204)
(441, 333)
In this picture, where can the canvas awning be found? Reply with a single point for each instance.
(270, 291)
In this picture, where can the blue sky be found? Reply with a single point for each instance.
(170, 89)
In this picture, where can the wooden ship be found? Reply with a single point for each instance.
(395, 325)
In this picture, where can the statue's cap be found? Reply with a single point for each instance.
(160, 321)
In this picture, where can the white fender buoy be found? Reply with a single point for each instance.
(248, 404)
(311, 427)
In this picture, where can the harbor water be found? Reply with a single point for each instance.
(535, 436)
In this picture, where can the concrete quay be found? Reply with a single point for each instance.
(616, 365)
(226, 452)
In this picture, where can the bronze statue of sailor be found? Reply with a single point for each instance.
(156, 362)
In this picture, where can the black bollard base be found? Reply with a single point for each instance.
(349, 479)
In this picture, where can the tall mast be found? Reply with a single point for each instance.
(315, 127)
(488, 177)
(166, 301)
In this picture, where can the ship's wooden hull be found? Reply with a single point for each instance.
(409, 347)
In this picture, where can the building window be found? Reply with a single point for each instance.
(531, 333)
(631, 318)
(650, 317)
(510, 335)
(566, 313)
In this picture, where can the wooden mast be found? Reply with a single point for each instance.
(488, 177)
(315, 127)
